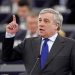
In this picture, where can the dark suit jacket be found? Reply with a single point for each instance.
(60, 61)
(20, 35)
(72, 35)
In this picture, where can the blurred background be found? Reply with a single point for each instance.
(26, 12)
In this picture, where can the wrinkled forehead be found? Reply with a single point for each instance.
(46, 15)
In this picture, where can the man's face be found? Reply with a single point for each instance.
(46, 25)
(32, 25)
(23, 11)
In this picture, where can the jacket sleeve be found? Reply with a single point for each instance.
(9, 53)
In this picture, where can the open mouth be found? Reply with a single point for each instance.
(41, 29)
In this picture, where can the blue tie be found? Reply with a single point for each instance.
(44, 53)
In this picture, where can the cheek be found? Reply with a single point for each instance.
(33, 27)
(49, 29)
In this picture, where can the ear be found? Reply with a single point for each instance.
(57, 27)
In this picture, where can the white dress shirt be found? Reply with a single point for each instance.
(9, 35)
(50, 42)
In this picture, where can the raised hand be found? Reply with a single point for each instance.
(12, 27)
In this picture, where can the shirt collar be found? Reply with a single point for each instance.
(52, 38)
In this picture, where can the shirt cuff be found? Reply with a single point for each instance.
(9, 35)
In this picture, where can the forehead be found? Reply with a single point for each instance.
(46, 15)
(30, 18)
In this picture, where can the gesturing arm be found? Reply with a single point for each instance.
(8, 52)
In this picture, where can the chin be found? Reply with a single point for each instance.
(42, 35)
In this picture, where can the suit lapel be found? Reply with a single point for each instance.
(36, 43)
(56, 48)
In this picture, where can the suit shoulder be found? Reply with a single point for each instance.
(68, 39)
(33, 38)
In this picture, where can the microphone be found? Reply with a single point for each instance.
(35, 64)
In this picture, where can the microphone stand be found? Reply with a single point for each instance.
(34, 65)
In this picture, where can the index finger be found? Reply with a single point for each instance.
(14, 18)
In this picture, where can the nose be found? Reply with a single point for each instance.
(41, 24)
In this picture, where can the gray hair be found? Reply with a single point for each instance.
(58, 18)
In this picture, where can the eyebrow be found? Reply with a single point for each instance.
(46, 19)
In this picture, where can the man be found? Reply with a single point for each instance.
(21, 12)
(32, 27)
(57, 54)
(31, 31)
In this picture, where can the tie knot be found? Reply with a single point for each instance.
(46, 39)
